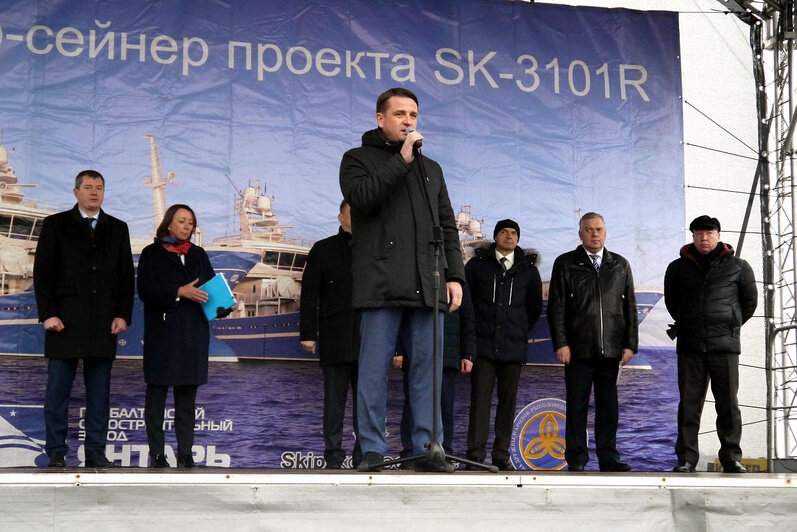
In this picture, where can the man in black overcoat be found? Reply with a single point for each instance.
(83, 279)
(328, 326)
(710, 292)
(399, 206)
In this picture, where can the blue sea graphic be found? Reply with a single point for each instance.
(268, 414)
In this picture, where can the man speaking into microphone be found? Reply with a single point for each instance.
(397, 197)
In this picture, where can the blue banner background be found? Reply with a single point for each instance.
(541, 157)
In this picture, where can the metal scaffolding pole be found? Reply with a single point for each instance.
(778, 211)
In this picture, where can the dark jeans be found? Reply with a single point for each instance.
(694, 373)
(97, 379)
(446, 411)
(483, 378)
(338, 378)
(184, 417)
(580, 376)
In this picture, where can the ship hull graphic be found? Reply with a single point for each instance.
(263, 265)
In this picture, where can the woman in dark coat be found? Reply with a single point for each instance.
(176, 332)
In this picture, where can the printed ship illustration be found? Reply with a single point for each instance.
(265, 323)
(20, 225)
(262, 264)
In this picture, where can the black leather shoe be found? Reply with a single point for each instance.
(616, 467)
(97, 459)
(158, 461)
(684, 467)
(503, 464)
(734, 467)
(186, 461)
(57, 460)
(371, 462)
(575, 467)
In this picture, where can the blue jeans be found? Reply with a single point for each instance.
(380, 333)
(97, 378)
(446, 411)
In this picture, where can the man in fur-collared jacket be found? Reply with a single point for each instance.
(710, 293)
(507, 298)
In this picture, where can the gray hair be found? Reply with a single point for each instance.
(589, 216)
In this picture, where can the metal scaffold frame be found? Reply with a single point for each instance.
(772, 39)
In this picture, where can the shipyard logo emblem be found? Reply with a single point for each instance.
(22, 436)
(538, 436)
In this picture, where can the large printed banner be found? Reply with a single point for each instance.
(243, 110)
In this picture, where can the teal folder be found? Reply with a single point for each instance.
(219, 295)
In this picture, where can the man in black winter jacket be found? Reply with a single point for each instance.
(329, 327)
(507, 298)
(398, 200)
(593, 319)
(710, 293)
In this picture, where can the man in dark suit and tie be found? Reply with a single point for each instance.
(83, 278)
(594, 329)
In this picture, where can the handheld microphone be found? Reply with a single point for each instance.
(418, 143)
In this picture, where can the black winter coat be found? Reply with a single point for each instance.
(593, 312)
(709, 307)
(326, 314)
(85, 281)
(506, 305)
(459, 336)
(176, 333)
(392, 257)
(459, 333)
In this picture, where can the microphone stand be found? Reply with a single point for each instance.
(435, 454)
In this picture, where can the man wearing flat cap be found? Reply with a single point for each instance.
(506, 291)
(710, 293)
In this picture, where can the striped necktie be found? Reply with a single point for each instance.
(595, 263)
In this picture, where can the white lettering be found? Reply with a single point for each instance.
(409, 67)
(353, 64)
(215, 459)
(460, 74)
(604, 71)
(378, 56)
(156, 48)
(532, 71)
(585, 70)
(30, 36)
(308, 59)
(479, 67)
(141, 47)
(321, 60)
(187, 60)
(636, 83)
(69, 36)
(94, 47)
(555, 65)
(231, 54)
(261, 65)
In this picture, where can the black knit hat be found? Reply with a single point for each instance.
(506, 223)
(705, 223)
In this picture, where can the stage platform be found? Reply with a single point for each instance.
(255, 499)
